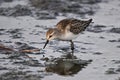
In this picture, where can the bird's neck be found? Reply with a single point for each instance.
(58, 33)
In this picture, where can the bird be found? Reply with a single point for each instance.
(67, 30)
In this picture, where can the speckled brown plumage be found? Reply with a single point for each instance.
(75, 26)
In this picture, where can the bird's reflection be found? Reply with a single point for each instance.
(66, 65)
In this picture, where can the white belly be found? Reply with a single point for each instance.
(68, 36)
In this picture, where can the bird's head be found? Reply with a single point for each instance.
(50, 35)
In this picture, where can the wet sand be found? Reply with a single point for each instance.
(99, 44)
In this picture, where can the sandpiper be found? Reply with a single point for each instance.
(67, 30)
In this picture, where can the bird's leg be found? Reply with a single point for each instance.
(72, 47)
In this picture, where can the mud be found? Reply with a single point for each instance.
(22, 36)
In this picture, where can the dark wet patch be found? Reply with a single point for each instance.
(83, 52)
(35, 43)
(97, 53)
(3, 68)
(114, 30)
(118, 78)
(7, 0)
(83, 48)
(2, 31)
(25, 10)
(19, 75)
(111, 71)
(43, 9)
(33, 63)
(118, 46)
(118, 70)
(18, 10)
(88, 43)
(15, 33)
(12, 31)
(101, 37)
(44, 15)
(116, 61)
(114, 40)
(68, 6)
(41, 26)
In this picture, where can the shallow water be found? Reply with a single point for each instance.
(98, 46)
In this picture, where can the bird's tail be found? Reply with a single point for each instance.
(90, 20)
(87, 23)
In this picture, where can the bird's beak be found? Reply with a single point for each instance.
(46, 44)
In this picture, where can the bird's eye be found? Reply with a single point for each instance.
(50, 36)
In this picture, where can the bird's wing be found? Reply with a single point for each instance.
(78, 26)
